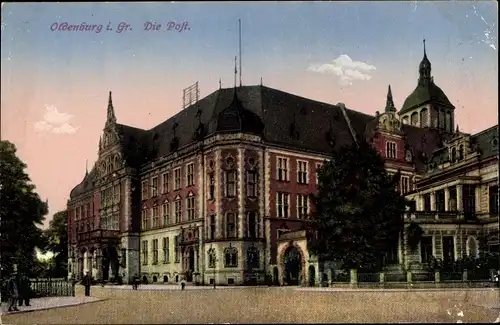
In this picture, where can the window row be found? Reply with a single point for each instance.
(428, 245)
(110, 195)
(231, 257)
(154, 187)
(168, 214)
(165, 251)
(283, 205)
(230, 178)
(229, 226)
(283, 170)
(84, 211)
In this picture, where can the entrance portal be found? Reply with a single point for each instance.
(292, 259)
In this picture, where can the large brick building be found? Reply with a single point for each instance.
(214, 191)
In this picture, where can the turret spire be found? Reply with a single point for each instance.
(111, 118)
(425, 68)
(389, 104)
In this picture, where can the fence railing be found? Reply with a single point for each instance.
(52, 288)
(368, 277)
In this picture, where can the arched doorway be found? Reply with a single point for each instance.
(312, 275)
(292, 265)
(110, 263)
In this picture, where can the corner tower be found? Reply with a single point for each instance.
(427, 106)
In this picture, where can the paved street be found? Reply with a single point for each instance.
(276, 305)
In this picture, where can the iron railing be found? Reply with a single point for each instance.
(52, 288)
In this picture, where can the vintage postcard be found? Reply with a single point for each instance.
(249, 162)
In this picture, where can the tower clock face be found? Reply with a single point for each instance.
(408, 156)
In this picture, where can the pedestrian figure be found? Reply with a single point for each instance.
(135, 282)
(24, 291)
(87, 282)
(183, 284)
(13, 293)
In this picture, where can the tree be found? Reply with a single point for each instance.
(21, 212)
(57, 242)
(359, 213)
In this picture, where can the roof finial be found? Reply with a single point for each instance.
(220, 83)
(425, 54)
(457, 130)
(111, 111)
(261, 81)
(86, 167)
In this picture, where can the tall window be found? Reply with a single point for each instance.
(251, 183)
(230, 225)
(253, 257)
(156, 212)
(230, 257)
(177, 250)
(166, 250)
(190, 174)
(390, 149)
(211, 258)
(448, 250)
(425, 248)
(427, 202)
(252, 230)
(166, 214)
(405, 184)
(302, 206)
(440, 206)
(302, 167)
(144, 252)
(461, 152)
(282, 204)
(144, 190)
(469, 199)
(282, 169)
(177, 179)
(165, 182)
(116, 195)
(154, 187)
(178, 211)
(155, 251)
(493, 198)
(212, 227)
(230, 183)
(211, 186)
(144, 219)
(190, 208)
(318, 166)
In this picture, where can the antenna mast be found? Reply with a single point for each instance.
(239, 23)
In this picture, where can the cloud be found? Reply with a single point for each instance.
(345, 68)
(55, 122)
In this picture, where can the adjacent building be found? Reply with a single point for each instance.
(220, 191)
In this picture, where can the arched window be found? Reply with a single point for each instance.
(461, 152)
(441, 119)
(453, 155)
(449, 126)
(253, 257)
(117, 162)
(405, 119)
(424, 117)
(472, 247)
(230, 225)
(230, 257)
(414, 119)
(211, 258)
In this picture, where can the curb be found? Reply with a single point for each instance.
(54, 307)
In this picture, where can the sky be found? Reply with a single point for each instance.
(55, 82)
